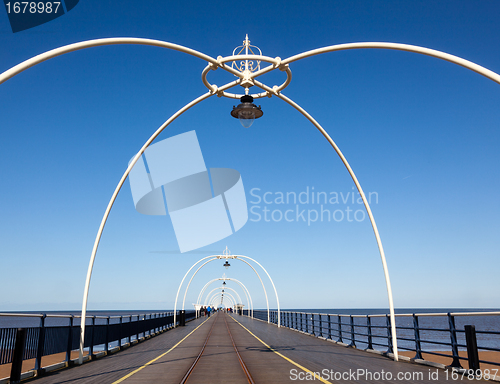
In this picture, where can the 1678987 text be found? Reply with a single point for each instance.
(33, 7)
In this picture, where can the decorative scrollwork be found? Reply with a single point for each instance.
(246, 49)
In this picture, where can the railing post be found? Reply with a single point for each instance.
(307, 323)
(137, 327)
(330, 327)
(369, 328)
(454, 345)
(182, 318)
(418, 346)
(41, 342)
(339, 324)
(353, 336)
(130, 329)
(120, 333)
(389, 335)
(17, 360)
(107, 335)
(312, 323)
(69, 346)
(472, 353)
(91, 349)
(320, 326)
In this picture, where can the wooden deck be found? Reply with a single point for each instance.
(271, 355)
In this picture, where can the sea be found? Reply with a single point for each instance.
(487, 326)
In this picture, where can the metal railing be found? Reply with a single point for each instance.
(103, 333)
(428, 333)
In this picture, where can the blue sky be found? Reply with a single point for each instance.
(421, 134)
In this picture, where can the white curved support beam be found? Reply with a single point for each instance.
(209, 298)
(229, 297)
(224, 288)
(272, 282)
(192, 277)
(376, 45)
(113, 198)
(117, 41)
(110, 205)
(367, 207)
(245, 290)
(202, 292)
(219, 258)
(182, 282)
(101, 42)
(265, 292)
(222, 297)
(399, 47)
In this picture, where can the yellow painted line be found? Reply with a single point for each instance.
(159, 357)
(283, 356)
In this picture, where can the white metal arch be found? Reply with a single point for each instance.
(223, 295)
(212, 258)
(223, 288)
(202, 292)
(272, 282)
(245, 290)
(220, 62)
(251, 266)
(216, 297)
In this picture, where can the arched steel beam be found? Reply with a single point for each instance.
(223, 288)
(245, 290)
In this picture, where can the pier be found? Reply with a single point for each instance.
(232, 348)
(207, 205)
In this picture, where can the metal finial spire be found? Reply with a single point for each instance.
(246, 49)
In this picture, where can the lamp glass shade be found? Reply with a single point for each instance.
(246, 117)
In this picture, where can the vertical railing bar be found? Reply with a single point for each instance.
(107, 334)
(330, 327)
(339, 325)
(369, 327)
(389, 335)
(454, 345)
(353, 336)
(70, 339)
(320, 325)
(418, 346)
(91, 349)
(120, 332)
(41, 342)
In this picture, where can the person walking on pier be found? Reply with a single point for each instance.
(209, 309)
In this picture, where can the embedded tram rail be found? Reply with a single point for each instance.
(217, 349)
